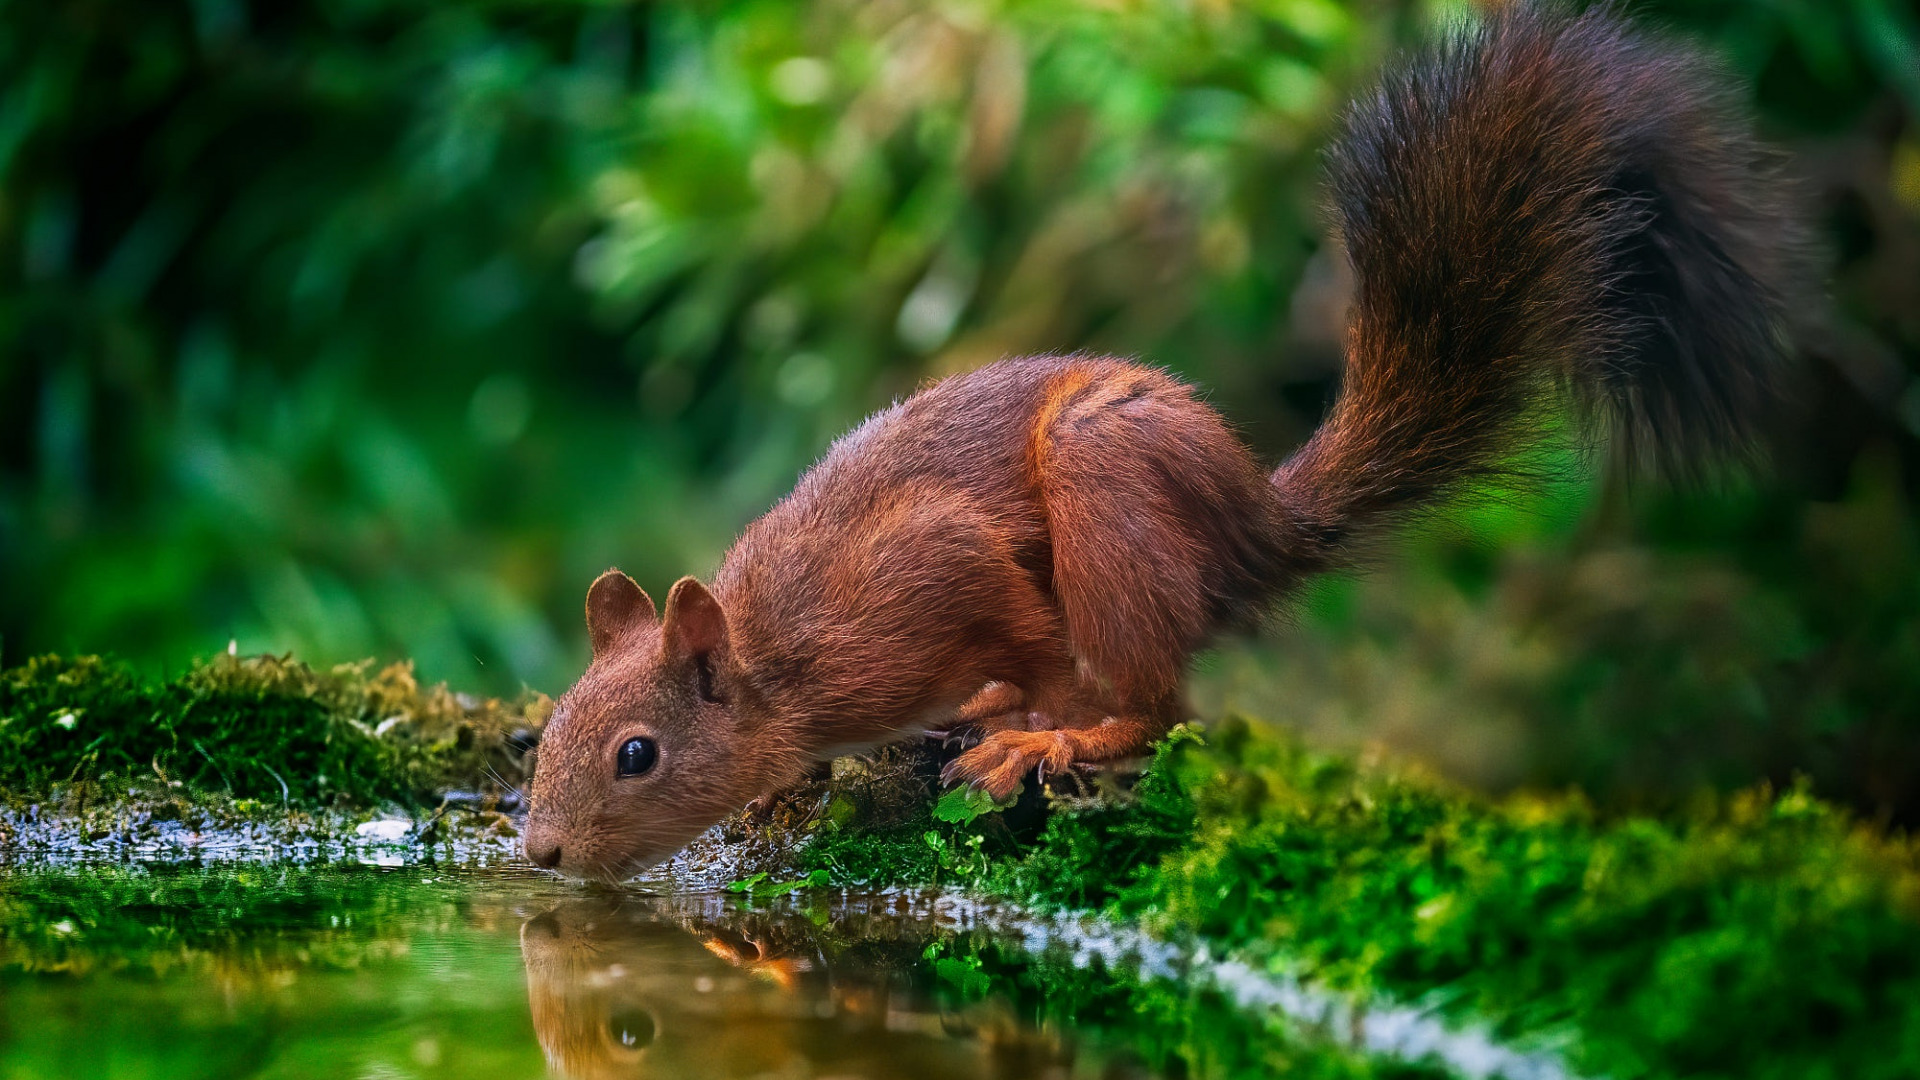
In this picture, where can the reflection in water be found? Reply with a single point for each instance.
(650, 987)
(287, 972)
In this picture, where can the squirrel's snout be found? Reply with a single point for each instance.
(543, 854)
(540, 840)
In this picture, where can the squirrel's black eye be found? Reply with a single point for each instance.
(637, 756)
(631, 1028)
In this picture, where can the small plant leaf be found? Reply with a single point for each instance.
(961, 805)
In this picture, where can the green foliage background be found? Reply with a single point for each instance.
(377, 327)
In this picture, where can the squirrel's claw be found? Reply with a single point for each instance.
(961, 735)
(1003, 758)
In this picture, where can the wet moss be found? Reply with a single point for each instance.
(260, 727)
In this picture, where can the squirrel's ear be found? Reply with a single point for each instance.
(615, 604)
(695, 625)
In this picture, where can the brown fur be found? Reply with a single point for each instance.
(1037, 547)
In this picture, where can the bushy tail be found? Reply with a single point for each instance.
(1549, 203)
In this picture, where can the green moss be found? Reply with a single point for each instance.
(1755, 935)
(266, 728)
(1647, 935)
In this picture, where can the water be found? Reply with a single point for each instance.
(131, 972)
(272, 970)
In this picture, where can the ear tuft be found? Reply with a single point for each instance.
(615, 605)
(695, 625)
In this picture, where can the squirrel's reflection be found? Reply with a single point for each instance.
(639, 986)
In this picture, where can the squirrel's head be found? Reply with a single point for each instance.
(647, 750)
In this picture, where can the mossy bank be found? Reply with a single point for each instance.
(1766, 934)
(258, 727)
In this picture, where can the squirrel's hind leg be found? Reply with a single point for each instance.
(1152, 507)
(1157, 519)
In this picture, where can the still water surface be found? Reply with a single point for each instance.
(166, 972)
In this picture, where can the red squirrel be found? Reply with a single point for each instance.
(1549, 207)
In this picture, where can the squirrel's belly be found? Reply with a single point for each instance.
(934, 719)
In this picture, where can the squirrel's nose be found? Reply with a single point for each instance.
(545, 857)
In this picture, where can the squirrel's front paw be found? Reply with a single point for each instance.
(997, 707)
(1004, 757)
